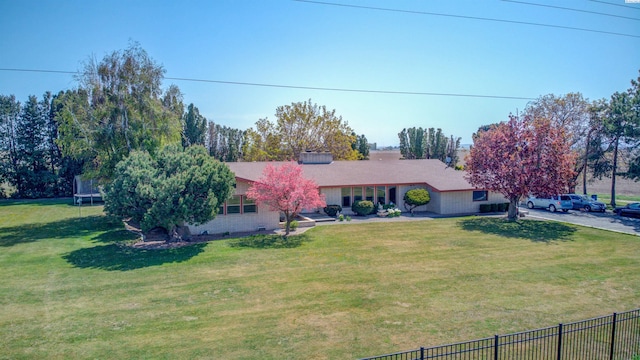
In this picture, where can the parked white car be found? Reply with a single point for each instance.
(554, 203)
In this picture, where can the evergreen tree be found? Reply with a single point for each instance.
(33, 177)
(9, 114)
(194, 127)
(177, 186)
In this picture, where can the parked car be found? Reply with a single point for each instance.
(583, 202)
(553, 203)
(630, 210)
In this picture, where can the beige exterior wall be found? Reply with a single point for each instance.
(332, 196)
(232, 223)
(461, 202)
(432, 206)
(241, 188)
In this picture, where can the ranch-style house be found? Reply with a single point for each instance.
(382, 181)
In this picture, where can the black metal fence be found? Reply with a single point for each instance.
(615, 336)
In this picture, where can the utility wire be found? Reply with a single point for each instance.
(465, 17)
(572, 9)
(366, 91)
(614, 4)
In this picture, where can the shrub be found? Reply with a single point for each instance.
(332, 210)
(506, 206)
(416, 197)
(341, 217)
(501, 207)
(363, 207)
(494, 207)
(348, 218)
(294, 225)
(485, 208)
(394, 212)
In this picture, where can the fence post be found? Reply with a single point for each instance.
(421, 353)
(613, 336)
(559, 342)
(495, 347)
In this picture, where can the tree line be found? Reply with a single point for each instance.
(419, 143)
(119, 107)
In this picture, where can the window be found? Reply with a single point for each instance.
(357, 194)
(346, 196)
(249, 206)
(233, 205)
(480, 195)
(382, 192)
(369, 194)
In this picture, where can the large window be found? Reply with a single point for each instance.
(480, 195)
(357, 194)
(346, 196)
(369, 194)
(238, 205)
(382, 194)
(248, 206)
(233, 205)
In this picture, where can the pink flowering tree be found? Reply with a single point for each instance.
(521, 157)
(285, 189)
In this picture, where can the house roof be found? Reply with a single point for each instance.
(369, 172)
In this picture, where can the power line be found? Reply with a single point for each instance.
(614, 4)
(366, 91)
(572, 9)
(465, 17)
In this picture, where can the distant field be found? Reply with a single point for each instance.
(72, 288)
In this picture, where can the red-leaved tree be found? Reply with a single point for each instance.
(521, 157)
(285, 189)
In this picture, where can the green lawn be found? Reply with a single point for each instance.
(621, 200)
(71, 288)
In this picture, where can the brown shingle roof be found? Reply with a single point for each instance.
(369, 172)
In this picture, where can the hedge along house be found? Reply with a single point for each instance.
(343, 182)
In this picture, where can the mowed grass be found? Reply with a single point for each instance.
(72, 288)
(621, 200)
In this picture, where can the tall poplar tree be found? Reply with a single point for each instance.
(194, 127)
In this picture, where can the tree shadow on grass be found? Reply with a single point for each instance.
(117, 257)
(96, 227)
(269, 241)
(537, 231)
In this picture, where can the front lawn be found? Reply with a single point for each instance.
(72, 288)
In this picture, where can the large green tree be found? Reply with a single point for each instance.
(175, 187)
(34, 170)
(194, 127)
(119, 107)
(622, 127)
(361, 145)
(300, 127)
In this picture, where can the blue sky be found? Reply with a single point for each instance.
(318, 45)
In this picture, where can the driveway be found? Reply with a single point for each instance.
(607, 221)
